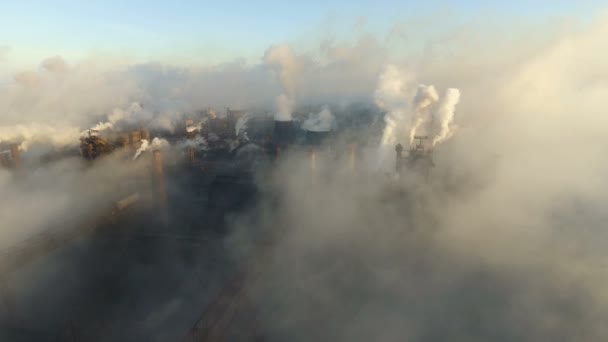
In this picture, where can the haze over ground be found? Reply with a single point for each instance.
(506, 243)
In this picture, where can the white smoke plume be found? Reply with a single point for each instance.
(403, 121)
(26, 135)
(424, 102)
(142, 148)
(117, 115)
(390, 96)
(156, 144)
(197, 142)
(445, 115)
(284, 62)
(319, 122)
(241, 124)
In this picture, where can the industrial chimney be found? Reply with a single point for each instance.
(398, 157)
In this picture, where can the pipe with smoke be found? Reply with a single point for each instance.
(424, 101)
(283, 61)
(116, 116)
(156, 144)
(391, 96)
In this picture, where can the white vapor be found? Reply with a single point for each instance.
(241, 124)
(142, 148)
(117, 115)
(319, 122)
(284, 62)
(425, 99)
(445, 115)
(156, 144)
(404, 119)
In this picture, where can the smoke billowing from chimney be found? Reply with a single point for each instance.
(424, 101)
(403, 120)
(118, 115)
(156, 144)
(445, 115)
(241, 124)
(319, 122)
(282, 59)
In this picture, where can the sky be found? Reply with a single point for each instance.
(208, 32)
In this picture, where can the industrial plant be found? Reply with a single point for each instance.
(175, 210)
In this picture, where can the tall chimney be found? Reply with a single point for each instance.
(398, 157)
(16, 156)
(159, 173)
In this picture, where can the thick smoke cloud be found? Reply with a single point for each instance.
(284, 62)
(504, 243)
(319, 122)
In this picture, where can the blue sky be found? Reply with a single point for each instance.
(216, 31)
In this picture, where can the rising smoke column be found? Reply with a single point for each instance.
(445, 115)
(424, 101)
(241, 124)
(319, 122)
(283, 61)
(390, 96)
(117, 115)
(156, 144)
(402, 120)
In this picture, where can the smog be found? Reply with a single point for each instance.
(418, 182)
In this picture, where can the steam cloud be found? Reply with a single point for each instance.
(241, 124)
(402, 118)
(319, 122)
(505, 242)
(284, 62)
(445, 115)
(156, 144)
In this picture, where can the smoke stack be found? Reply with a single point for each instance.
(16, 156)
(159, 173)
(399, 157)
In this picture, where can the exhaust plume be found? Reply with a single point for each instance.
(445, 115)
(424, 101)
(118, 115)
(27, 135)
(241, 124)
(390, 96)
(156, 144)
(283, 61)
(319, 122)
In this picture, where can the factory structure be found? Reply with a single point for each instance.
(207, 175)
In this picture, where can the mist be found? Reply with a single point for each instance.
(504, 242)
